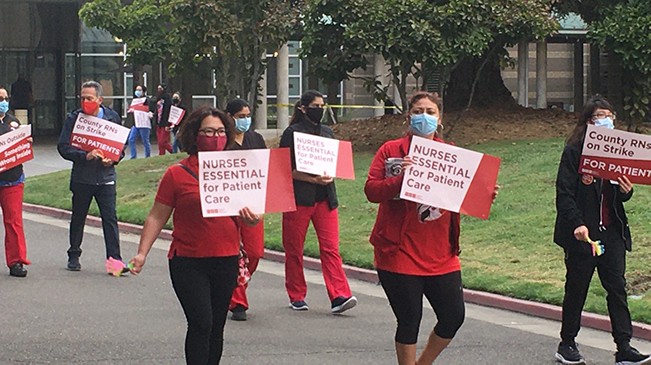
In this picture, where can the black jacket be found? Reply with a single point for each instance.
(578, 199)
(163, 121)
(305, 192)
(13, 173)
(130, 120)
(91, 172)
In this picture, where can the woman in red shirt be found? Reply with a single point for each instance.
(416, 247)
(203, 256)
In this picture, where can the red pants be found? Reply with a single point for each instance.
(163, 138)
(253, 242)
(11, 200)
(326, 225)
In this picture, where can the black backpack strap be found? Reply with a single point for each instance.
(189, 171)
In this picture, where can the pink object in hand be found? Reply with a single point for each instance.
(115, 267)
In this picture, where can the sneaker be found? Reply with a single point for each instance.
(73, 264)
(299, 305)
(569, 354)
(341, 304)
(239, 313)
(630, 356)
(17, 270)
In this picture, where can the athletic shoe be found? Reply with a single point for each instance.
(18, 270)
(239, 313)
(341, 304)
(73, 264)
(630, 356)
(299, 305)
(569, 354)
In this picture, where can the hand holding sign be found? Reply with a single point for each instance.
(91, 134)
(315, 155)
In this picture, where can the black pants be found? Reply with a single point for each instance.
(405, 294)
(204, 287)
(610, 267)
(82, 195)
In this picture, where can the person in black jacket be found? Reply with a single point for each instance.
(592, 208)
(92, 176)
(316, 201)
(177, 101)
(162, 113)
(12, 185)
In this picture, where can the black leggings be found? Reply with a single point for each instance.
(204, 287)
(405, 294)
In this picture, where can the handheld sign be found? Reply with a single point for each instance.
(140, 113)
(14, 147)
(258, 179)
(138, 104)
(91, 133)
(176, 115)
(610, 153)
(450, 178)
(316, 155)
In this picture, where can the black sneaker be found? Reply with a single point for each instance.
(631, 356)
(299, 305)
(239, 313)
(18, 270)
(73, 264)
(341, 304)
(569, 354)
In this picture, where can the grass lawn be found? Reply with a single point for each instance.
(511, 254)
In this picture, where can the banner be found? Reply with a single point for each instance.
(323, 156)
(14, 147)
(176, 115)
(258, 179)
(611, 153)
(450, 178)
(91, 133)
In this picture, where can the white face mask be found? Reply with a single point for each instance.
(605, 122)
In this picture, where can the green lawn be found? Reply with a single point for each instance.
(511, 254)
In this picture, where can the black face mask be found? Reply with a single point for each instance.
(175, 101)
(314, 114)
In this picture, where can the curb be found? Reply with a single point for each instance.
(542, 310)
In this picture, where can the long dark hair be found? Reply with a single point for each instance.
(307, 98)
(190, 128)
(578, 134)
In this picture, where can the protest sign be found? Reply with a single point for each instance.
(91, 133)
(176, 115)
(14, 147)
(140, 113)
(450, 178)
(138, 104)
(258, 179)
(611, 153)
(323, 156)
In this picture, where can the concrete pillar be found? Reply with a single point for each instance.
(523, 73)
(261, 109)
(282, 85)
(578, 76)
(541, 75)
(379, 69)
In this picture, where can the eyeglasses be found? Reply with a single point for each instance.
(602, 115)
(2, 98)
(212, 132)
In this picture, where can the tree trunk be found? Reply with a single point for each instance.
(333, 90)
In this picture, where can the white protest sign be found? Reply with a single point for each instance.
(15, 148)
(141, 119)
(323, 156)
(176, 115)
(91, 133)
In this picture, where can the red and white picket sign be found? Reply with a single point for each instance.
(258, 179)
(610, 153)
(91, 133)
(140, 113)
(451, 178)
(176, 115)
(323, 156)
(138, 104)
(15, 148)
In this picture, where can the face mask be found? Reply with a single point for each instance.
(160, 92)
(89, 107)
(314, 114)
(176, 101)
(138, 93)
(605, 122)
(210, 144)
(242, 124)
(424, 124)
(4, 107)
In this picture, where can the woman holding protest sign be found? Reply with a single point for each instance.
(316, 201)
(416, 246)
(252, 237)
(177, 101)
(140, 92)
(590, 211)
(203, 256)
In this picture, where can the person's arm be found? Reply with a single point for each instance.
(154, 223)
(378, 187)
(566, 186)
(63, 146)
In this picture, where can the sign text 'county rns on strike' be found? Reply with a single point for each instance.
(15, 148)
(611, 153)
(323, 156)
(258, 179)
(450, 178)
(91, 133)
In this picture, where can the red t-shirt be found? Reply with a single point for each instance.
(402, 243)
(194, 235)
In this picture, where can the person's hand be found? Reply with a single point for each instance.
(581, 233)
(30, 139)
(138, 262)
(95, 154)
(495, 192)
(249, 217)
(406, 162)
(323, 179)
(107, 162)
(150, 115)
(167, 129)
(625, 185)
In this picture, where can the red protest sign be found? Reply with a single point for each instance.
(15, 149)
(90, 133)
(323, 156)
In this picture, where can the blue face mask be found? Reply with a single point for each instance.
(605, 122)
(138, 93)
(4, 107)
(424, 124)
(242, 124)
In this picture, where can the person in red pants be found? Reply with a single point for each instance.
(316, 201)
(11, 200)
(252, 237)
(163, 106)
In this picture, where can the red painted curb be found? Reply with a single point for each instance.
(548, 311)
